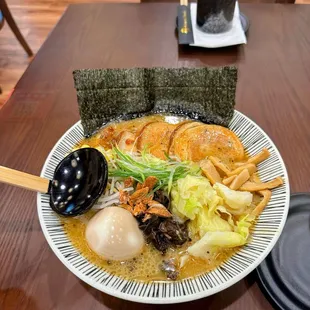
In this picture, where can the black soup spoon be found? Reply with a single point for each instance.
(79, 180)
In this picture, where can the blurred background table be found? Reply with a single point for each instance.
(273, 90)
(36, 19)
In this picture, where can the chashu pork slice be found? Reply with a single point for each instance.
(181, 127)
(126, 141)
(155, 138)
(198, 142)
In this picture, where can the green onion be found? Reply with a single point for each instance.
(142, 165)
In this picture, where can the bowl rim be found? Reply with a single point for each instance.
(174, 299)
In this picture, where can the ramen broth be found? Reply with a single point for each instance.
(106, 136)
(145, 267)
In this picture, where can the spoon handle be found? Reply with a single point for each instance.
(24, 180)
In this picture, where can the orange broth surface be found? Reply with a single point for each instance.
(145, 267)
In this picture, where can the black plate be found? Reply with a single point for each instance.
(285, 274)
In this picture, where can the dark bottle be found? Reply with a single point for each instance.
(215, 16)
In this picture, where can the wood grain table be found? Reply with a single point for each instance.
(273, 90)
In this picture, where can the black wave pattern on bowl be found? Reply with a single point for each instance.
(263, 237)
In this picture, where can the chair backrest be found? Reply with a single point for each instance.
(1, 20)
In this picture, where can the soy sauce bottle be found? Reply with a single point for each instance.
(215, 16)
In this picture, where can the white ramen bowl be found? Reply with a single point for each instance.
(264, 235)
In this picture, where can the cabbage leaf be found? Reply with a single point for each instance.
(194, 198)
(191, 194)
(214, 241)
(237, 201)
(205, 222)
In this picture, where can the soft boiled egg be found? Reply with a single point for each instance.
(114, 234)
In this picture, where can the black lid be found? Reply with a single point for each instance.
(285, 274)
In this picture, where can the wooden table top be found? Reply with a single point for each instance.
(273, 90)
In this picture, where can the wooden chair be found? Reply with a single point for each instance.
(1, 20)
(5, 15)
(1, 25)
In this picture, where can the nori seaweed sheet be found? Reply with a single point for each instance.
(207, 94)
